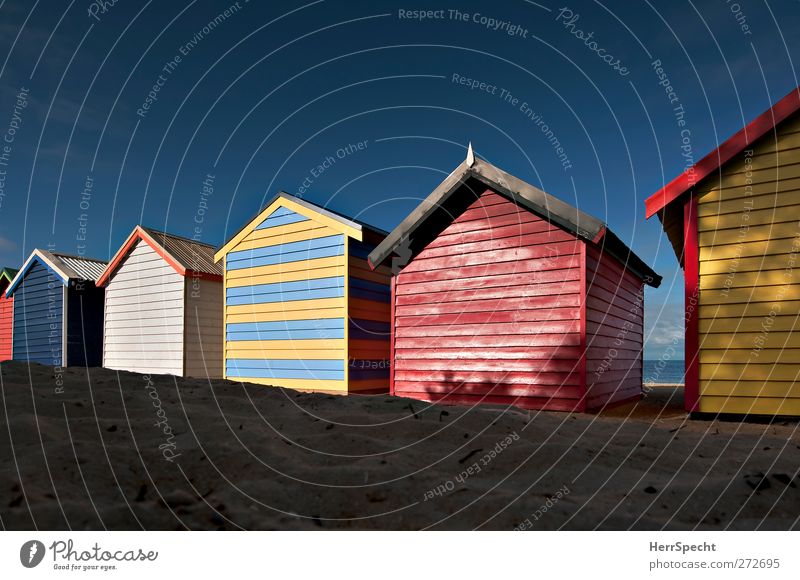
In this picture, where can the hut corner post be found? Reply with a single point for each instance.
(691, 271)
(584, 294)
(392, 357)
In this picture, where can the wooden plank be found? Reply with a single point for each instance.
(789, 322)
(737, 356)
(750, 405)
(736, 201)
(749, 219)
(749, 340)
(538, 340)
(496, 389)
(295, 232)
(543, 403)
(497, 353)
(790, 229)
(774, 247)
(752, 371)
(567, 301)
(769, 294)
(735, 266)
(308, 385)
(496, 317)
(489, 329)
(745, 388)
(570, 287)
(286, 307)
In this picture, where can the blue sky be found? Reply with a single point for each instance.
(165, 113)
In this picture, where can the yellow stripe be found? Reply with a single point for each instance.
(728, 266)
(280, 316)
(233, 276)
(744, 250)
(751, 405)
(263, 241)
(286, 354)
(288, 307)
(283, 230)
(318, 344)
(297, 276)
(309, 385)
(736, 356)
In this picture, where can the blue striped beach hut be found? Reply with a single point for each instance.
(58, 310)
(303, 310)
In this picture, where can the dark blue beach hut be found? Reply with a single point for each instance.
(58, 310)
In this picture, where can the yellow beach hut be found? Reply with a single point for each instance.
(303, 310)
(734, 222)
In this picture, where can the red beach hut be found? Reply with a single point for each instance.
(505, 294)
(6, 313)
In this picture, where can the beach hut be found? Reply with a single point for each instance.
(733, 221)
(302, 308)
(507, 295)
(6, 313)
(58, 310)
(163, 307)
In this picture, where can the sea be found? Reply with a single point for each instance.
(663, 371)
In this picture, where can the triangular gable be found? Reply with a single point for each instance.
(289, 207)
(141, 234)
(450, 198)
(46, 259)
(6, 276)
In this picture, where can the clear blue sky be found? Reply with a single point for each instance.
(277, 96)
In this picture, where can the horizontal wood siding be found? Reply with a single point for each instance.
(38, 317)
(144, 312)
(614, 330)
(749, 240)
(369, 312)
(6, 323)
(284, 305)
(490, 312)
(204, 326)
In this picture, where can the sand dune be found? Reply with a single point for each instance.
(119, 451)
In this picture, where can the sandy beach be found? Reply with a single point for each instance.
(98, 449)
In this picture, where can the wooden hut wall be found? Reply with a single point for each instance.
(204, 326)
(749, 279)
(369, 297)
(144, 312)
(6, 321)
(285, 304)
(39, 317)
(490, 310)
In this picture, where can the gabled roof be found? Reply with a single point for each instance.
(6, 275)
(346, 225)
(458, 190)
(65, 267)
(187, 257)
(760, 126)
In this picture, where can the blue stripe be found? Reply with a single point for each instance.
(286, 291)
(285, 325)
(287, 296)
(286, 369)
(280, 217)
(324, 247)
(306, 334)
(281, 287)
